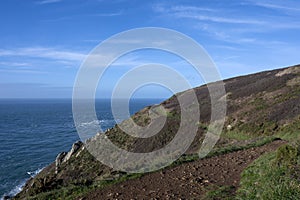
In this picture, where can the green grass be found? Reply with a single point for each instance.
(76, 191)
(290, 132)
(222, 151)
(217, 192)
(271, 177)
(292, 94)
(287, 156)
(229, 149)
(236, 135)
(260, 103)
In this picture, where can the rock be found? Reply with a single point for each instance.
(75, 147)
(59, 160)
(198, 180)
(64, 156)
(229, 127)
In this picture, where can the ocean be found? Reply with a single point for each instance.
(33, 132)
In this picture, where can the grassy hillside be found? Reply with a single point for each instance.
(260, 107)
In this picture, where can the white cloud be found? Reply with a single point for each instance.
(217, 19)
(108, 14)
(277, 6)
(126, 41)
(41, 52)
(92, 40)
(201, 14)
(131, 61)
(72, 17)
(5, 52)
(226, 47)
(220, 16)
(68, 57)
(48, 1)
(272, 5)
(15, 64)
(181, 8)
(22, 71)
(34, 59)
(226, 35)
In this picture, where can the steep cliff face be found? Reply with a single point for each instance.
(258, 105)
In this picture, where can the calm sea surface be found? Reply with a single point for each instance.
(33, 132)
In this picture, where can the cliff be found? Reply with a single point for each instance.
(259, 107)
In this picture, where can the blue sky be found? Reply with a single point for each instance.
(43, 42)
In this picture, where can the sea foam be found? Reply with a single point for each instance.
(18, 188)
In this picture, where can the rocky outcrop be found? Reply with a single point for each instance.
(58, 161)
(64, 156)
(75, 147)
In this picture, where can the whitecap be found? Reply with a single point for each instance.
(94, 122)
(34, 173)
(18, 188)
(98, 122)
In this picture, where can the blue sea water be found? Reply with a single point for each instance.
(33, 132)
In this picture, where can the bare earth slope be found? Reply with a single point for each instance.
(187, 181)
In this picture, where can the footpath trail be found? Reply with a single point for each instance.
(189, 180)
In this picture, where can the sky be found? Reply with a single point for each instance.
(44, 42)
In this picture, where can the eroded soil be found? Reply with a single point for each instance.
(189, 180)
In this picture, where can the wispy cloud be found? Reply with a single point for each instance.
(19, 67)
(180, 8)
(108, 14)
(36, 60)
(48, 1)
(6, 52)
(61, 57)
(272, 5)
(226, 47)
(72, 17)
(27, 71)
(92, 40)
(201, 14)
(192, 8)
(224, 35)
(233, 36)
(126, 41)
(217, 19)
(222, 24)
(130, 61)
(15, 64)
(42, 52)
(245, 22)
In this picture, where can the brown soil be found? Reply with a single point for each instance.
(187, 181)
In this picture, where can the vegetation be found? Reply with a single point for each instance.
(217, 192)
(290, 131)
(75, 191)
(237, 135)
(272, 176)
(261, 108)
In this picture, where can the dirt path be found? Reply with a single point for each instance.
(187, 181)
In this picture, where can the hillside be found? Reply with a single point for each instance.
(263, 113)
